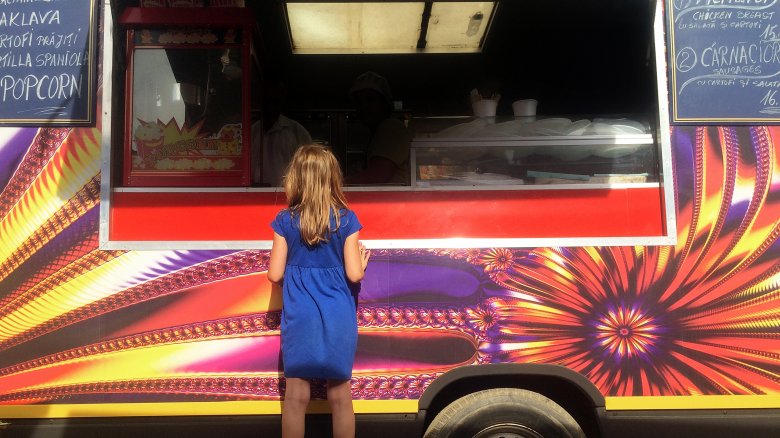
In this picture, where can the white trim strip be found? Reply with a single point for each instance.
(107, 75)
(458, 188)
(448, 243)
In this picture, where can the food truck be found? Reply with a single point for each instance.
(587, 243)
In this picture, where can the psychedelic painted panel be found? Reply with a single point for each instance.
(81, 325)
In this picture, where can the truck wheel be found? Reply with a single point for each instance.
(504, 413)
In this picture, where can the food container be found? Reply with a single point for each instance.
(439, 171)
(484, 107)
(524, 107)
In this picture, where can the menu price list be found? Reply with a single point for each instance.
(726, 60)
(47, 72)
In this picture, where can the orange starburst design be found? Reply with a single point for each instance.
(481, 318)
(497, 260)
(626, 332)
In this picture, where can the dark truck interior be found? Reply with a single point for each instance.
(581, 57)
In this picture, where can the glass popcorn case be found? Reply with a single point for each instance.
(549, 152)
(187, 109)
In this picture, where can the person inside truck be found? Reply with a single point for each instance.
(275, 137)
(388, 146)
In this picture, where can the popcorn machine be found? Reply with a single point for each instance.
(187, 96)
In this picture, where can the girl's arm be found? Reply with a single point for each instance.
(278, 259)
(355, 258)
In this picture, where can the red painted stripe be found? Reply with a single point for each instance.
(398, 215)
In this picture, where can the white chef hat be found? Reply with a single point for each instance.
(372, 81)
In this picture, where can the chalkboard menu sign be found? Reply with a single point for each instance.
(724, 60)
(47, 62)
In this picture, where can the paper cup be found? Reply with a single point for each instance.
(484, 108)
(524, 107)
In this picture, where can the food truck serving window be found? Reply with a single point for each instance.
(548, 132)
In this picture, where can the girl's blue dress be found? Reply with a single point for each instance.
(319, 319)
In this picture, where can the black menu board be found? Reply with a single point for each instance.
(48, 62)
(724, 61)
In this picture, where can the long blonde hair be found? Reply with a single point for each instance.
(312, 184)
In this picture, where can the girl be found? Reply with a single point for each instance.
(315, 255)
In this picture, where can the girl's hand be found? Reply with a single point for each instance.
(364, 255)
(355, 258)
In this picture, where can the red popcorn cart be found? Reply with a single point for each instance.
(187, 109)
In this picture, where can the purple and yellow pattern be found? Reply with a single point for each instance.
(83, 325)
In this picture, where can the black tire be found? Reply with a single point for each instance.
(504, 413)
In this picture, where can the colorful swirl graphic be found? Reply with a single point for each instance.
(83, 325)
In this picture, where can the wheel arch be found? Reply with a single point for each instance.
(568, 388)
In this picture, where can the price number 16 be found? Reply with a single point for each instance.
(769, 98)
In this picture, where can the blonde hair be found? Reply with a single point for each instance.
(312, 184)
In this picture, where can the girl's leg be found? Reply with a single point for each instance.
(296, 399)
(340, 401)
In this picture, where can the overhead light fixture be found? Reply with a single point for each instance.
(388, 26)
